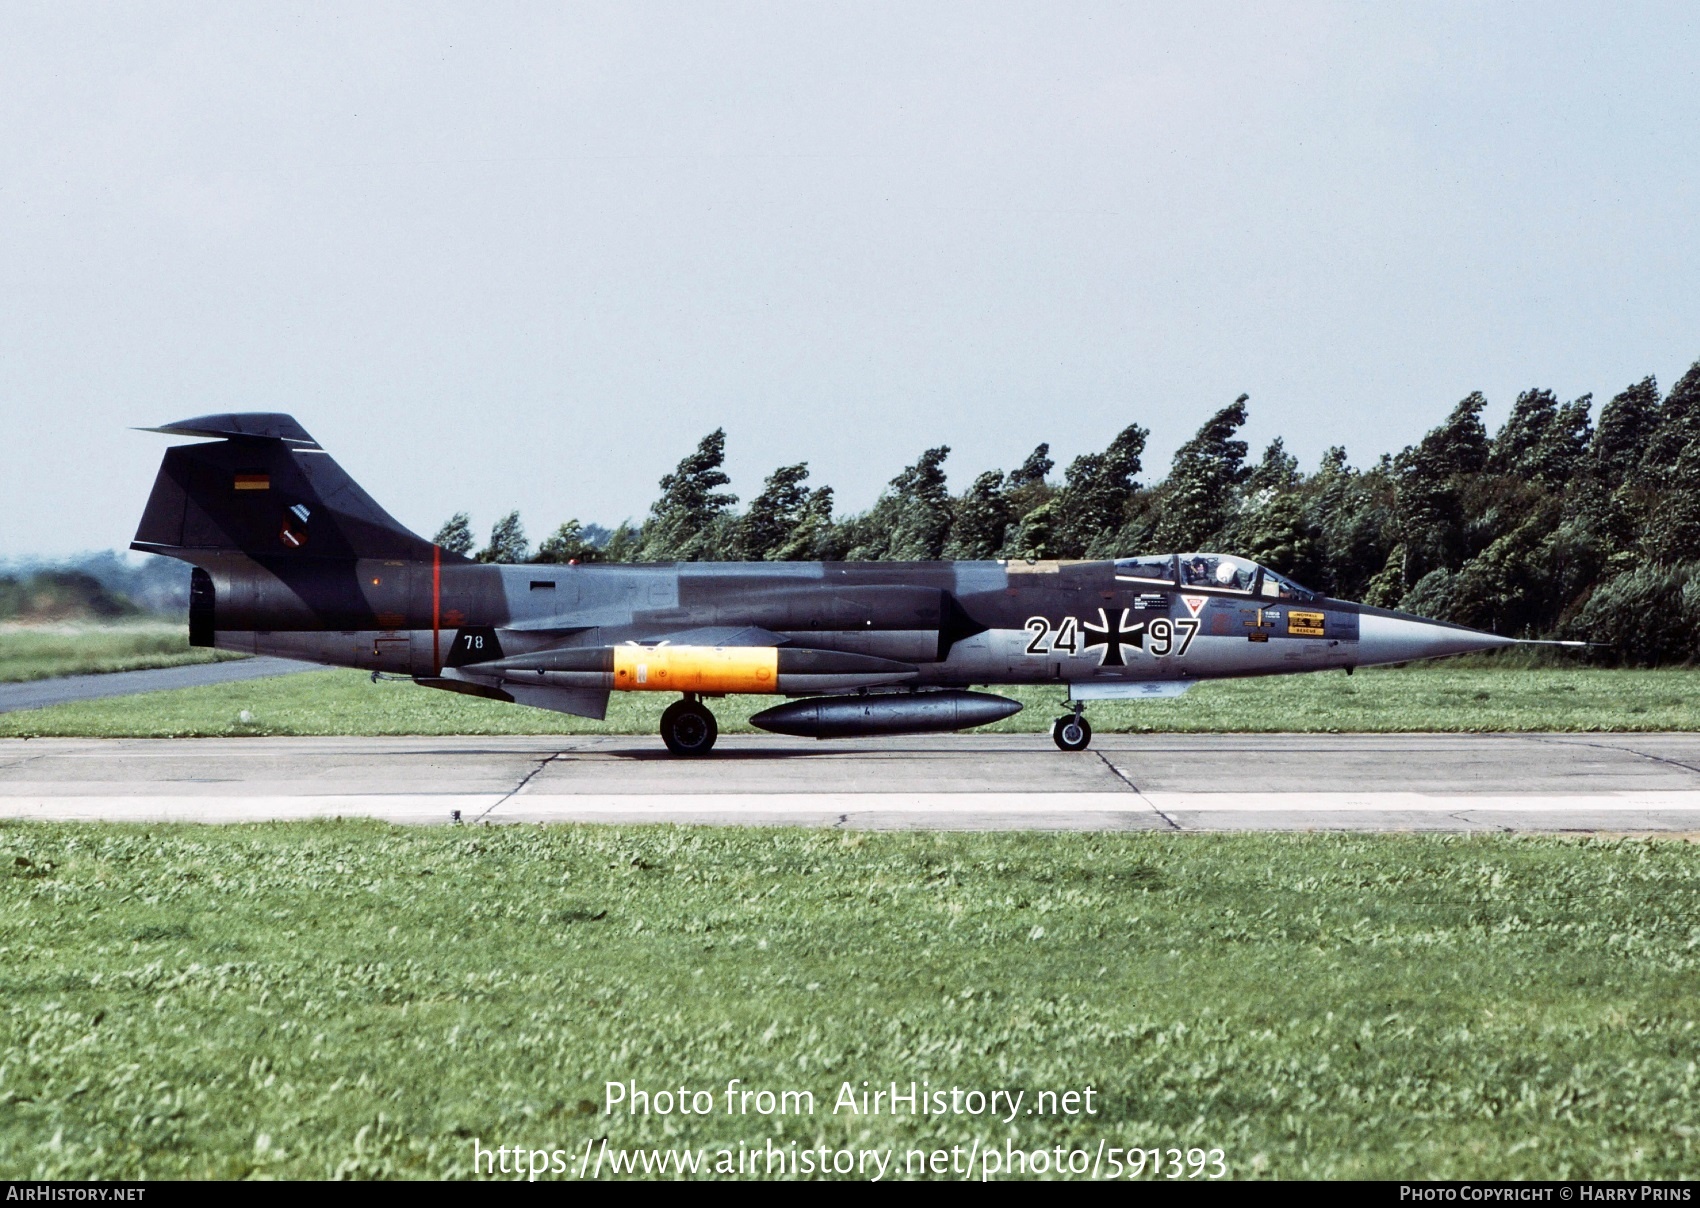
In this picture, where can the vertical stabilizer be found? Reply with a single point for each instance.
(264, 487)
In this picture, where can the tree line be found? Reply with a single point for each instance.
(1558, 525)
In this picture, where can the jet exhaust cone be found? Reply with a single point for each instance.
(886, 713)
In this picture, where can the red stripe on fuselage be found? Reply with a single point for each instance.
(436, 607)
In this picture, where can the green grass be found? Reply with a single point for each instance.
(348, 999)
(31, 652)
(1436, 697)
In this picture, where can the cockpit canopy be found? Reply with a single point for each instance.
(1218, 572)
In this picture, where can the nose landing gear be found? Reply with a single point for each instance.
(1074, 732)
(688, 728)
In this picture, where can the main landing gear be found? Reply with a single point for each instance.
(1074, 732)
(688, 728)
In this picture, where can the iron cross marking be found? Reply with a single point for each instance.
(1112, 637)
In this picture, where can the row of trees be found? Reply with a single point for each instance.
(1556, 525)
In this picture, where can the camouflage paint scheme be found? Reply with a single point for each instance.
(292, 558)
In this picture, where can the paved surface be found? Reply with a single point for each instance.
(38, 694)
(1616, 783)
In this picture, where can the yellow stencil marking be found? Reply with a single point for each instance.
(1304, 624)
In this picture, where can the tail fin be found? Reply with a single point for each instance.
(267, 489)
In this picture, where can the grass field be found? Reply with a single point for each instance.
(348, 999)
(30, 652)
(1436, 697)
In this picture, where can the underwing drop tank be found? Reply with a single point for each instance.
(886, 713)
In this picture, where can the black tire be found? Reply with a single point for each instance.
(1071, 733)
(688, 729)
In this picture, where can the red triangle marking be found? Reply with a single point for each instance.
(1194, 603)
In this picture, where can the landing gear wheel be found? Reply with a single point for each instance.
(1072, 733)
(688, 729)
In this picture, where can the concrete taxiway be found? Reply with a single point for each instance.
(1529, 782)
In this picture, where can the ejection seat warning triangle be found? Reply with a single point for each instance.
(1194, 603)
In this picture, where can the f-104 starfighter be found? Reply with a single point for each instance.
(292, 558)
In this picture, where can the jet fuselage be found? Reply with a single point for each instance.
(956, 623)
(292, 558)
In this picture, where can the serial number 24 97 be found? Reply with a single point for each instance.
(1157, 637)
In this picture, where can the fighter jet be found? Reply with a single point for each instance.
(292, 558)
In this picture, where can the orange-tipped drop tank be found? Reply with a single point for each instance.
(696, 668)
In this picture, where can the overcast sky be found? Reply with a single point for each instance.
(500, 256)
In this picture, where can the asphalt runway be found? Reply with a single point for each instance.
(1618, 783)
(38, 694)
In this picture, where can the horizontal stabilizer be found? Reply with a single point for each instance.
(253, 425)
(1146, 690)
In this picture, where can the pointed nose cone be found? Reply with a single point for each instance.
(1393, 637)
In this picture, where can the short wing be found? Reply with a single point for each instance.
(718, 635)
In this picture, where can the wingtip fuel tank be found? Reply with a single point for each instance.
(710, 669)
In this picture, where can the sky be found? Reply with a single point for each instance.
(502, 256)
